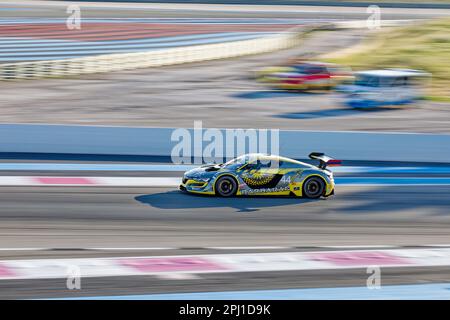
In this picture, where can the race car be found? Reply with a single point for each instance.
(305, 76)
(260, 174)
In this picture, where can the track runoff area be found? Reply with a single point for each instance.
(373, 271)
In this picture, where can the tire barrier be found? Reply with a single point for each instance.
(155, 58)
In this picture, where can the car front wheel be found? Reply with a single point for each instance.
(226, 186)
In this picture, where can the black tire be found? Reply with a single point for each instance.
(313, 188)
(226, 186)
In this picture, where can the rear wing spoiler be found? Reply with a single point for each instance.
(324, 160)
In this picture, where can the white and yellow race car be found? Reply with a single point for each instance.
(259, 174)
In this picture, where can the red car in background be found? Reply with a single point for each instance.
(305, 76)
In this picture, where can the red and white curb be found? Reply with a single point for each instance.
(222, 263)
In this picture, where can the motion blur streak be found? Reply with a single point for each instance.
(127, 221)
(174, 182)
(181, 168)
(33, 31)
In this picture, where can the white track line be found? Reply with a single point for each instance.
(225, 7)
(251, 248)
(359, 247)
(298, 247)
(131, 249)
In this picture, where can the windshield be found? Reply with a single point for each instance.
(309, 69)
(237, 161)
(371, 81)
(367, 81)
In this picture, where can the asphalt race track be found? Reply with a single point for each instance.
(71, 220)
(159, 217)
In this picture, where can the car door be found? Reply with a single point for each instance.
(262, 174)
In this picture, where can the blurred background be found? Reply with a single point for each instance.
(91, 91)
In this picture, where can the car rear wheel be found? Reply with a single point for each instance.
(226, 186)
(313, 188)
